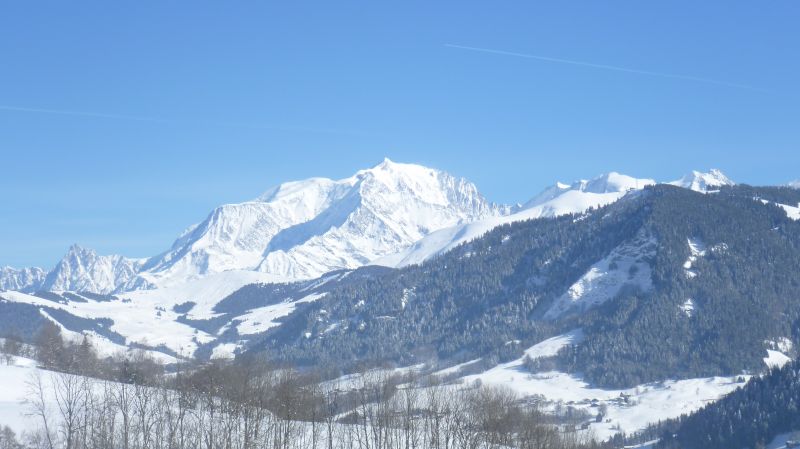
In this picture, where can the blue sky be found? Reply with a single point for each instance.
(122, 123)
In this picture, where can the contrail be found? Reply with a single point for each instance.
(179, 122)
(606, 67)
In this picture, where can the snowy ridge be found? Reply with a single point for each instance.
(82, 269)
(560, 199)
(25, 279)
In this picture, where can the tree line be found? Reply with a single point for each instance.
(81, 401)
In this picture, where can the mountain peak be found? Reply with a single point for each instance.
(76, 249)
(794, 184)
(82, 269)
(301, 229)
(392, 168)
(386, 163)
(613, 182)
(607, 183)
(703, 182)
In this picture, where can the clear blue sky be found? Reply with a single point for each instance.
(163, 110)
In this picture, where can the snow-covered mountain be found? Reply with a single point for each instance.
(559, 199)
(703, 182)
(306, 228)
(25, 279)
(392, 214)
(794, 184)
(83, 270)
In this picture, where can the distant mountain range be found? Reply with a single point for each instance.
(392, 214)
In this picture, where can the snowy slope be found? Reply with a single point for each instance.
(560, 199)
(703, 182)
(626, 265)
(794, 184)
(628, 410)
(25, 279)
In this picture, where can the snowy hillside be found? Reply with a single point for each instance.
(626, 266)
(560, 199)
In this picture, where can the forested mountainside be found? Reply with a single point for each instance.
(750, 417)
(666, 283)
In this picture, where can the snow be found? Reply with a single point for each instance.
(626, 265)
(224, 351)
(263, 318)
(703, 182)
(776, 359)
(792, 212)
(688, 307)
(646, 404)
(14, 379)
(696, 249)
(148, 317)
(646, 445)
(349, 382)
(779, 442)
(205, 292)
(552, 202)
(551, 346)
(455, 368)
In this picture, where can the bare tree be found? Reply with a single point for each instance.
(37, 404)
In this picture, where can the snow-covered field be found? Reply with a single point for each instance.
(14, 380)
(628, 410)
(149, 318)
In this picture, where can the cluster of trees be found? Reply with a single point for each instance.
(750, 417)
(134, 404)
(8, 439)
